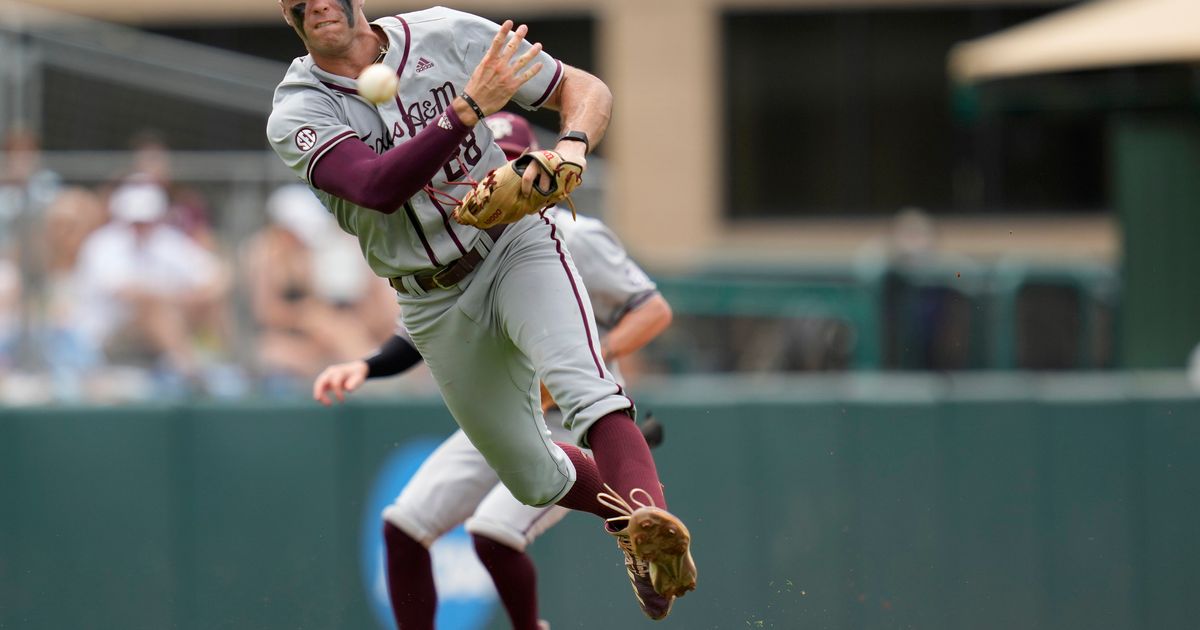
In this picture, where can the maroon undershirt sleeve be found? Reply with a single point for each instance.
(353, 171)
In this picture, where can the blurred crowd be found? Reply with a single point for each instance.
(125, 291)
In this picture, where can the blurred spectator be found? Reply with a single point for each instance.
(188, 209)
(927, 303)
(70, 219)
(26, 185)
(314, 300)
(145, 289)
(10, 301)
(73, 216)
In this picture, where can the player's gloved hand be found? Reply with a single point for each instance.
(572, 151)
(502, 196)
(339, 380)
(498, 76)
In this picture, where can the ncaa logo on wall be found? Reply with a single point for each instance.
(466, 595)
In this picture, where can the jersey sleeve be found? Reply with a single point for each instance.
(615, 283)
(473, 36)
(304, 126)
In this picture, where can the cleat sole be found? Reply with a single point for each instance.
(664, 542)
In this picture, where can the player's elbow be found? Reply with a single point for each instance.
(372, 197)
(658, 313)
(665, 314)
(385, 206)
(579, 86)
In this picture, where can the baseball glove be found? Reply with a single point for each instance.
(498, 198)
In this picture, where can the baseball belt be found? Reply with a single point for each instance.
(450, 274)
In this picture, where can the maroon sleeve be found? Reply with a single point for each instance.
(353, 171)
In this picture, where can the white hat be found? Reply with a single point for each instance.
(296, 208)
(138, 203)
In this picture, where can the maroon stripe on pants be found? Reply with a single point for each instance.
(599, 361)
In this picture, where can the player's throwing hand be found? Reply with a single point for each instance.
(498, 76)
(339, 380)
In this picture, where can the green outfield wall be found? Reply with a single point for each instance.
(929, 503)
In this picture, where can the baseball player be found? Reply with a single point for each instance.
(493, 312)
(455, 481)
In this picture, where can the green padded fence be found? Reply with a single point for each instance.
(928, 503)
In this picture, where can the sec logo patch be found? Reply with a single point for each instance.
(306, 139)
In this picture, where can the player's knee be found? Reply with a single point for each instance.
(403, 519)
(538, 484)
(537, 495)
(495, 530)
(534, 497)
(490, 549)
(394, 537)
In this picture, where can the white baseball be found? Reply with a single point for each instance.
(378, 83)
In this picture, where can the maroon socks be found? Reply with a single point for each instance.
(515, 578)
(410, 580)
(582, 495)
(622, 459)
(414, 598)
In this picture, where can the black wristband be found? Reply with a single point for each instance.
(577, 136)
(473, 105)
(397, 355)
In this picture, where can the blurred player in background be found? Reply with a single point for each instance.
(493, 312)
(455, 482)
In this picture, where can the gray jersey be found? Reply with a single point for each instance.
(434, 52)
(614, 282)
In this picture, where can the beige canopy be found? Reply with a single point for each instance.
(1097, 34)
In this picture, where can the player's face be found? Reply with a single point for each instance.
(321, 23)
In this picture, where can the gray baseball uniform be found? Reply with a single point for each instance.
(522, 314)
(455, 481)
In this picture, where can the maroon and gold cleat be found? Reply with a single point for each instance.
(664, 543)
(654, 606)
(657, 548)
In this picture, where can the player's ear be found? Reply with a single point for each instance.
(287, 19)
